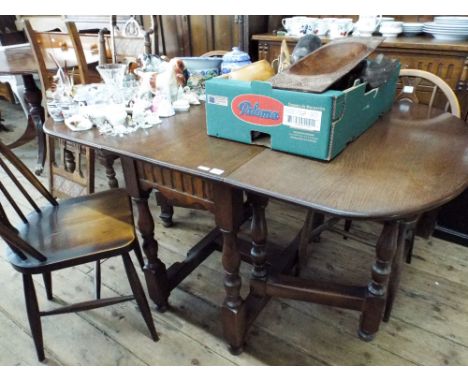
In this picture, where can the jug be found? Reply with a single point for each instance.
(366, 24)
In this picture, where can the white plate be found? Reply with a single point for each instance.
(446, 29)
(78, 123)
(445, 26)
(451, 19)
(461, 33)
(446, 32)
(449, 37)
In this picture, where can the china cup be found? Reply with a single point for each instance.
(296, 26)
(321, 27)
(340, 28)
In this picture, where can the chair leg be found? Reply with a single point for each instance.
(34, 318)
(167, 210)
(139, 294)
(347, 227)
(97, 279)
(409, 251)
(139, 255)
(304, 242)
(47, 276)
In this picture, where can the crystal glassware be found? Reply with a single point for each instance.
(113, 76)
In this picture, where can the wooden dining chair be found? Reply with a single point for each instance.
(62, 235)
(424, 87)
(416, 86)
(71, 173)
(420, 86)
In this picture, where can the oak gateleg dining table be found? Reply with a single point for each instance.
(412, 160)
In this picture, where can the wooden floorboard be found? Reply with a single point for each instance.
(429, 324)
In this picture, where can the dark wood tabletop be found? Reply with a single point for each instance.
(405, 164)
(179, 143)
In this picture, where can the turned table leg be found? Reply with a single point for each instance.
(33, 97)
(154, 269)
(259, 235)
(374, 304)
(405, 239)
(107, 160)
(228, 214)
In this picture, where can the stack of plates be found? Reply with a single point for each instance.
(448, 28)
(412, 29)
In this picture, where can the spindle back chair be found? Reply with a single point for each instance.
(41, 239)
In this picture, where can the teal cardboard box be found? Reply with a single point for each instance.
(315, 125)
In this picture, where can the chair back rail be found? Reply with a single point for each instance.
(69, 49)
(10, 190)
(24, 170)
(66, 177)
(420, 86)
(16, 187)
(79, 52)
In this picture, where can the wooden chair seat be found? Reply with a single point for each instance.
(76, 231)
(61, 235)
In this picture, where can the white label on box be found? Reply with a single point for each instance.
(217, 100)
(203, 168)
(216, 171)
(301, 118)
(408, 89)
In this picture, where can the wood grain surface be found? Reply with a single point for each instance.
(405, 164)
(179, 142)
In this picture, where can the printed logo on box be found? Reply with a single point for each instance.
(258, 110)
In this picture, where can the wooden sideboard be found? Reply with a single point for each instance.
(449, 60)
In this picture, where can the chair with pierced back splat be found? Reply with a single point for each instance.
(419, 86)
(62, 235)
(73, 175)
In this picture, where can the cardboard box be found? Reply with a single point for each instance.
(309, 124)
